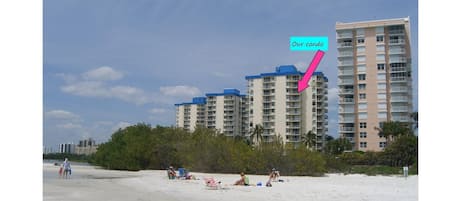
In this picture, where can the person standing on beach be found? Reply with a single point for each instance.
(67, 168)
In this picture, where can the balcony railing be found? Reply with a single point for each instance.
(396, 31)
(345, 62)
(346, 91)
(345, 129)
(346, 100)
(345, 72)
(396, 41)
(345, 44)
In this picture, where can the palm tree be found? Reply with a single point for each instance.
(309, 139)
(392, 129)
(256, 134)
(415, 119)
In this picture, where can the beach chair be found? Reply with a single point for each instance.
(182, 173)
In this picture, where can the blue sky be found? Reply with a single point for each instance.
(110, 64)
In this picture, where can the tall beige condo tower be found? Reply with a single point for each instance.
(374, 75)
(276, 105)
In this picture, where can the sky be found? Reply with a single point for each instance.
(111, 64)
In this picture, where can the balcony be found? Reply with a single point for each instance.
(344, 35)
(398, 79)
(396, 42)
(399, 69)
(400, 89)
(346, 101)
(396, 32)
(397, 51)
(345, 45)
(346, 91)
(345, 62)
(397, 59)
(346, 119)
(400, 109)
(345, 54)
(346, 72)
(345, 81)
(346, 110)
(347, 129)
(399, 99)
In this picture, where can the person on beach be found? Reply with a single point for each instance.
(244, 181)
(171, 173)
(67, 169)
(274, 175)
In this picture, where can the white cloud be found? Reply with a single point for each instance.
(301, 66)
(333, 95)
(121, 125)
(103, 73)
(62, 115)
(68, 78)
(129, 94)
(186, 91)
(87, 88)
(157, 110)
(69, 126)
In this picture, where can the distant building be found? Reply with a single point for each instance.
(86, 147)
(191, 114)
(67, 148)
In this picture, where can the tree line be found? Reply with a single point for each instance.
(141, 147)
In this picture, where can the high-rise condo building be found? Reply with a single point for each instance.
(225, 112)
(191, 114)
(275, 104)
(374, 79)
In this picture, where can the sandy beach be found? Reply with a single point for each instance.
(92, 183)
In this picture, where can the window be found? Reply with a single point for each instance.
(360, 49)
(382, 115)
(361, 68)
(381, 85)
(362, 115)
(362, 124)
(362, 144)
(362, 77)
(380, 57)
(362, 106)
(381, 96)
(361, 59)
(381, 76)
(362, 134)
(379, 30)
(361, 86)
(380, 38)
(380, 48)
(382, 106)
(380, 66)
(360, 32)
(362, 96)
(382, 144)
(360, 40)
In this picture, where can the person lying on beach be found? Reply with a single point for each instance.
(244, 181)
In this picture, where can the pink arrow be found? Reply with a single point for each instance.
(303, 83)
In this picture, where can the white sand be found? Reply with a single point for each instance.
(90, 183)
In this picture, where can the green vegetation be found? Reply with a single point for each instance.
(141, 147)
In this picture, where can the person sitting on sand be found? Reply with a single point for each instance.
(171, 173)
(274, 175)
(244, 181)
